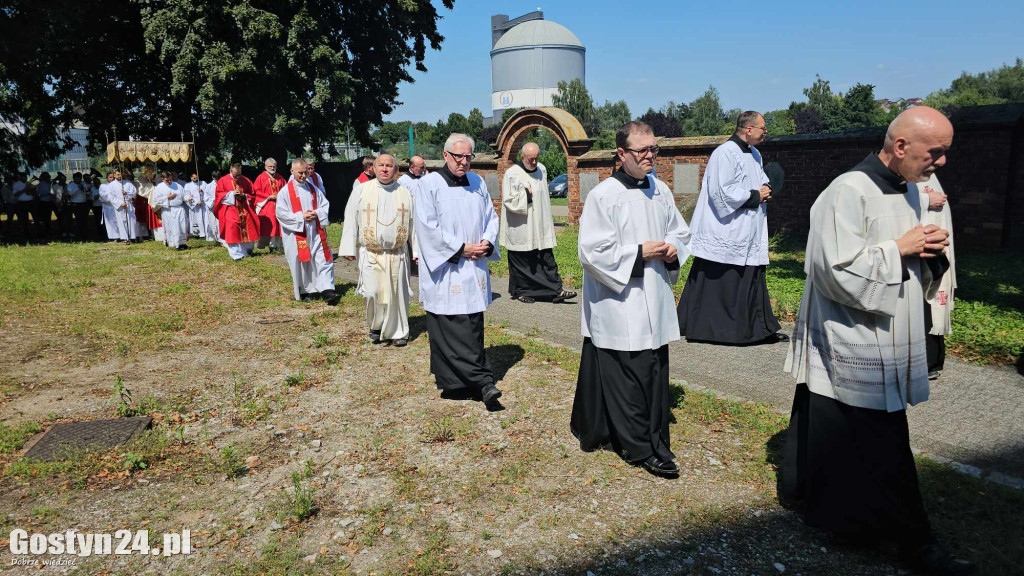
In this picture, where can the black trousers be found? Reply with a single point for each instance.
(533, 273)
(42, 212)
(622, 399)
(726, 304)
(935, 344)
(457, 358)
(853, 470)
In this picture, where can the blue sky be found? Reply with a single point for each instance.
(759, 55)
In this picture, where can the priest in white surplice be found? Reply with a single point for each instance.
(193, 198)
(725, 299)
(858, 347)
(119, 209)
(379, 229)
(417, 170)
(457, 231)
(170, 197)
(302, 213)
(209, 193)
(528, 232)
(632, 240)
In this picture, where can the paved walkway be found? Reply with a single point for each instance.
(975, 416)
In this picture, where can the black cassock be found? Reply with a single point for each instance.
(622, 402)
(726, 304)
(457, 358)
(533, 273)
(853, 470)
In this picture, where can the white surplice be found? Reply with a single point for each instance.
(410, 182)
(859, 337)
(119, 210)
(942, 303)
(381, 238)
(447, 218)
(721, 229)
(209, 190)
(316, 275)
(621, 312)
(173, 213)
(193, 199)
(526, 221)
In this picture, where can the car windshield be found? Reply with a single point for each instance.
(560, 179)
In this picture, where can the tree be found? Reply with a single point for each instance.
(611, 116)
(806, 118)
(706, 115)
(859, 108)
(998, 86)
(662, 124)
(475, 122)
(779, 122)
(248, 77)
(574, 98)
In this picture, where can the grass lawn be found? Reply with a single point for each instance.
(354, 464)
(559, 201)
(988, 320)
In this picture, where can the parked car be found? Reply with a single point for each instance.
(559, 187)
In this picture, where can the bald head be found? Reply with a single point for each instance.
(916, 143)
(384, 168)
(530, 154)
(416, 166)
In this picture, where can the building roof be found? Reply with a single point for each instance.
(538, 33)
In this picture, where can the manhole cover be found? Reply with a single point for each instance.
(64, 439)
(275, 319)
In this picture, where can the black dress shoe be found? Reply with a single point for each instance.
(375, 336)
(659, 467)
(936, 558)
(401, 342)
(490, 394)
(331, 297)
(776, 338)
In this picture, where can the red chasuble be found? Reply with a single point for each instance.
(264, 187)
(145, 215)
(301, 242)
(238, 223)
(363, 178)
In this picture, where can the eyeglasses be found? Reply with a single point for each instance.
(643, 151)
(460, 157)
(763, 129)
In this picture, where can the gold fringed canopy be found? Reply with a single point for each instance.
(149, 151)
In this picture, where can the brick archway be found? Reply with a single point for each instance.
(567, 130)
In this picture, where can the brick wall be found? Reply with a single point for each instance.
(984, 174)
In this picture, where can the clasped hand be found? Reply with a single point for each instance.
(308, 215)
(660, 251)
(923, 241)
(476, 251)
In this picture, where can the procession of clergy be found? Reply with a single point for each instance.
(879, 277)
(867, 339)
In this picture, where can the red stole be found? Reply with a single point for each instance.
(301, 242)
(363, 178)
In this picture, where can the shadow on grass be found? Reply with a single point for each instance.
(980, 520)
(503, 357)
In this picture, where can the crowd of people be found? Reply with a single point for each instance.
(866, 342)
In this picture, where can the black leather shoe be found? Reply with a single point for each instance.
(331, 297)
(659, 467)
(490, 394)
(401, 342)
(936, 558)
(776, 338)
(375, 336)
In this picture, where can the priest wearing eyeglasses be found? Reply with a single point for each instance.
(725, 299)
(631, 243)
(457, 230)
